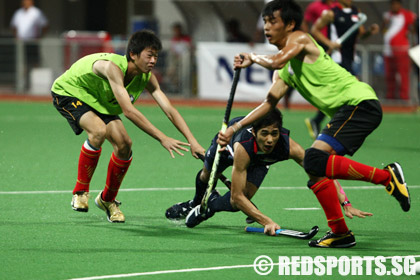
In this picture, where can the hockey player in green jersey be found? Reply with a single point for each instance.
(91, 95)
(352, 105)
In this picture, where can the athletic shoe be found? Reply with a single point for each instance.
(195, 217)
(332, 240)
(113, 213)
(179, 210)
(79, 202)
(313, 128)
(397, 187)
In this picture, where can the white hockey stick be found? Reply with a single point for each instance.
(352, 29)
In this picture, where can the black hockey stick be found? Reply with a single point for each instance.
(222, 177)
(288, 232)
(212, 178)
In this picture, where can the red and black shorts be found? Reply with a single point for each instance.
(73, 109)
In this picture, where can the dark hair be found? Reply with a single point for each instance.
(274, 117)
(289, 11)
(140, 40)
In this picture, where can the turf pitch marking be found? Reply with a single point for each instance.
(187, 189)
(184, 270)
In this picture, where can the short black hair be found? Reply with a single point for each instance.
(289, 11)
(140, 40)
(273, 117)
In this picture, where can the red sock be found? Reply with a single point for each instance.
(116, 172)
(87, 163)
(326, 194)
(339, 167)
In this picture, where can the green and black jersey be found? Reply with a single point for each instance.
(79, 81)
(325, 84)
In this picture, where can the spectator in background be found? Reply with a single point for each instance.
(313, 12)
(397, 24)
(181, 45)
(338, 20)
(29, 24)
(234, 32)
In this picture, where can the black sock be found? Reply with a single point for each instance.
(222, 203)
(200, 189)
(319, 117)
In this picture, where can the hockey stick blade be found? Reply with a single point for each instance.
(288, 232)
(222, 177)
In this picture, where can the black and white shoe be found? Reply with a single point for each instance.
(179, 210)
(195, 217)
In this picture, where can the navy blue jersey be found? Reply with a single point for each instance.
(259, 162)
(344, 18)
(248, 141)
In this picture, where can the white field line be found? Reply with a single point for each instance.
(189, 189)
(302, 209)
(127, 275)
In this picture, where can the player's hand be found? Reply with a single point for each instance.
(350, 212)
(223, 139)
(270, 228)
(242, 60)
(196, 149)
(173, 145)
(333, 46)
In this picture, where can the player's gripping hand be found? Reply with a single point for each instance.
(223, 138)
(270, 228)
(350, 212)
(196, 149)
(173, 145)
(242, 60)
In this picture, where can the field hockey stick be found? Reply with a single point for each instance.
(211, 184)
(352, 29)
(222, 177)
(288, 232)
(228, 184)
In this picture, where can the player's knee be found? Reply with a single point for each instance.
(123, 148)
(315, 162)
(97, 137)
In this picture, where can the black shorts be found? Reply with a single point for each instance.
(255, 173)
(350, 126)
(73, 109)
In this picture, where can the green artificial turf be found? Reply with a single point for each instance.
(43, 238)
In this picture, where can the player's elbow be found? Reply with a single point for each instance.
(129, 113)
(236, 198)
(275, 65)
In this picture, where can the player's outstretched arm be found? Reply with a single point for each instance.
(174, 116)
(349, 210)
(113, 73)
(238, 190)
